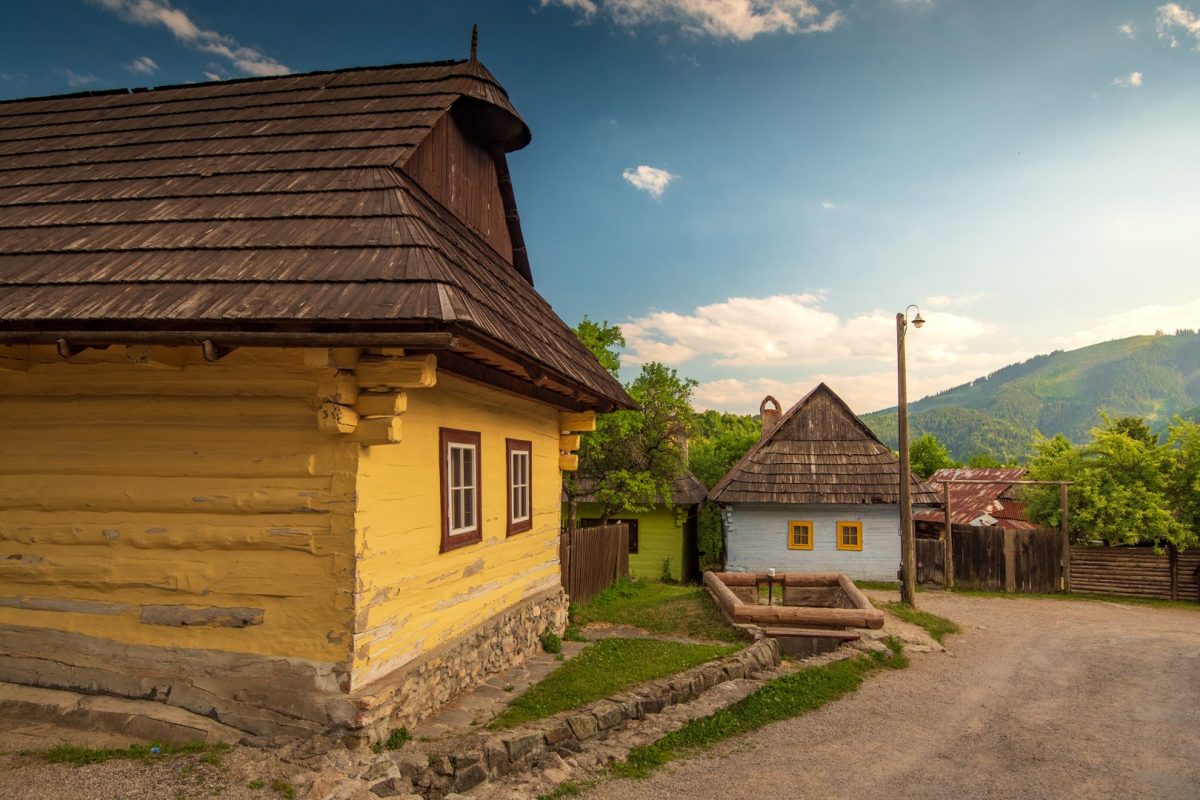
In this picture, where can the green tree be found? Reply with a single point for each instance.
(603, 340)
(1135, 428)
(1119, 494)
(1183, 476)
(983, 461)
(719, 440)
(629, 461)
(927, 455)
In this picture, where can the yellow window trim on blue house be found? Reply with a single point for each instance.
(803, 541)
(849, 536)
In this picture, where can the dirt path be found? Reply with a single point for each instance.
(1036, 699)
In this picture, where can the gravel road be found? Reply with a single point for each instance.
(1035, 699)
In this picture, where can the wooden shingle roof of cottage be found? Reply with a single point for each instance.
(273, 209)
(820, 452)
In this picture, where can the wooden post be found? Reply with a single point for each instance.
(1010, 560)
(1066, 539)
(1173, 557)
(948, 544)
(908, 544)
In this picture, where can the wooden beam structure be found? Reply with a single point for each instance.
(155, 356)
(335, 419)
(410, 372)
(336, 357)
(576, 422)
(376, 431)
(379, 404)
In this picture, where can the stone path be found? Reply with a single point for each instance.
(476, 708)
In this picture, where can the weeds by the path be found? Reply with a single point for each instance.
(794, 694)
(1190, 605)
(603, 669)
(79, 756)
(936, 626)
(664, 608)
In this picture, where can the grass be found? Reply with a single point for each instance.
(284, 789)
(568, 789)
(882, 586)
(665, 609)
(395, 740)
(256, 784)
(605, 668)
(796, 693)
(1190, 605)
(936, 626)
(79, 756)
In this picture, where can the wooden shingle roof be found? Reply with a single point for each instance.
(273, 205)
(819, 453)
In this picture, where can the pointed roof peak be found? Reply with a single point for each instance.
(474, 42)
(819, 452)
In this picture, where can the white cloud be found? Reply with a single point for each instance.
(13, 76)
(939, 301)
(142, 65)
(247, 60)
(652, 180)
(1173, 18)
(1127, 29)
(796, 342)
(921, 4)
(75, 80)
(828, 205)
(212, 76)
(723, 19)
(1132, 81)
(1137, 322)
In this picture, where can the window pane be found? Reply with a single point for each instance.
(455, 467)
(468, 478)
(468, 508)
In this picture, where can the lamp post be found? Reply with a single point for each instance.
(908, 542)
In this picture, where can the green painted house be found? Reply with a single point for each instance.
(662, 540)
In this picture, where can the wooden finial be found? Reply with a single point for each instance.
(474, 42)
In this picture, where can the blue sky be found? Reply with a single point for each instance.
(753, 188)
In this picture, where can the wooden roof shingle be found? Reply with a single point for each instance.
(268, 204)
(820, 452)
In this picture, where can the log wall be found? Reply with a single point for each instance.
(1135, 572)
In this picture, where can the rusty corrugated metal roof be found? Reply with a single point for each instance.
(266, 204)
(970, 501)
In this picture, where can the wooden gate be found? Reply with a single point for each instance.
(1038, 561)
(592, 558)
(931, 561)
(978, 557)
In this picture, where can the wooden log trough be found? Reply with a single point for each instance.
(819, 610)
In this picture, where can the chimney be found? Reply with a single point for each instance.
(770, 415)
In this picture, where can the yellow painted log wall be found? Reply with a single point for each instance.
(409, 597)
(208, 486)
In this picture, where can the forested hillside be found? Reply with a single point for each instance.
(1153, 377)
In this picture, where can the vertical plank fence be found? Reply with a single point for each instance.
(592, 558)
(979, 561)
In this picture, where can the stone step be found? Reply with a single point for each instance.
(139, 720)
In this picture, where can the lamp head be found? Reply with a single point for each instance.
(917, 320)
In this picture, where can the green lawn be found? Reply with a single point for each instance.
(662, 608)
(78, 756)
(603, 669)
(937, 626)
(793, 694)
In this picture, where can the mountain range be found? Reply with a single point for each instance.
(1153, 377)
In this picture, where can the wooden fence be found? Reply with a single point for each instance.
(995, 559)
(1136, 572)
(592, 558)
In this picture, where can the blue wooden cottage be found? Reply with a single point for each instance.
(817, 493)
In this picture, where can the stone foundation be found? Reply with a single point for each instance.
(404, 697)
(269, 696)
(258, 694)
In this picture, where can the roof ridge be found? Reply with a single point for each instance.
(246, 79)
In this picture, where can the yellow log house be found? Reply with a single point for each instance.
(283, 417)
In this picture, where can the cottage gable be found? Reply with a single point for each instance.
(820, 452)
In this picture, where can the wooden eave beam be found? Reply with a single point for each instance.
(472, 370)
(427, 340)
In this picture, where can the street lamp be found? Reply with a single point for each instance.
(908, 543)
